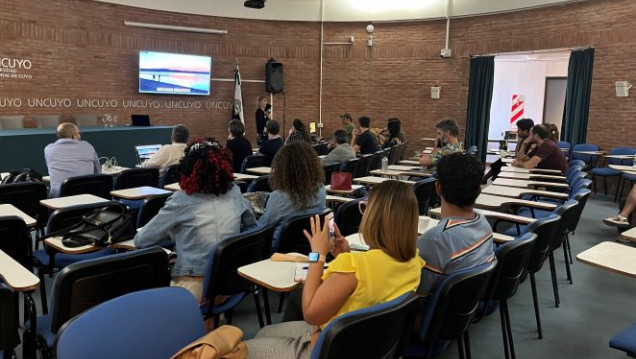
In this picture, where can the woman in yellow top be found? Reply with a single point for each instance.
(354, 280)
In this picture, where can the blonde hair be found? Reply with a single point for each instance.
(390, 220)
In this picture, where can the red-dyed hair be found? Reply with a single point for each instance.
(206, 168)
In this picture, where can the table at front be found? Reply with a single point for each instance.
(530, 176)
(524, 183)
(10, 210)
(497, 202)
(69, 201)
(611, 256)
(259, 170)
(518, 192)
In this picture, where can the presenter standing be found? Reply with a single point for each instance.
(262, 116)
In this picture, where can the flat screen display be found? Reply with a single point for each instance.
(174, 74)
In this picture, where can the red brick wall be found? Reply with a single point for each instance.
(81, 49)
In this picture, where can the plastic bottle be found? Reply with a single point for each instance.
(385, 163)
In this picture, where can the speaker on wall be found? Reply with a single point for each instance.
(274, 77)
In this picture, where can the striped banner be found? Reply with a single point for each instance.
(518, 105)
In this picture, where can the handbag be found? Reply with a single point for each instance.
(222, 343)
(341, 181)
(101, 227)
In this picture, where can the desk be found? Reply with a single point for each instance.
(354, 187)
(138, 192)
(10, 210)
(530, 176)
(629, 234)
(590, 153)
(274, 275)
(69, 201)
(340, 199)
(260, 170)
(370, 180)
(529, 170)
(396, 173)
(410, 163)
(490, 201)
(620, 157)
(518, 192)
(16, 276)
(437, 212)
(611, 256)
(173, 187)
(403, 168)
(56, 243)
(623, 168)
(526, 183)
(244, 177)
(507, 160)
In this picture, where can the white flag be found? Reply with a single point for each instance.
(238, 97)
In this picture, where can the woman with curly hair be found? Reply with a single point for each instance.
(297, 181)
(209, 208)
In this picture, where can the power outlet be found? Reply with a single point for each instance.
(320, 125)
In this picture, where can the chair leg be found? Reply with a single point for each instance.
(605, 184)
(567, 240)
(535, 300)
(45, 308)
(460, 347)
(281, 301)
(618, 186)
(467, 345)
(258, 308)
(509, 329)
(504, 331)
(567, 262)
(268, 316)
(555, 284)
(594, 182)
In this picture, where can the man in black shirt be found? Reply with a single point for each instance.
(273, 143)
(364, 141)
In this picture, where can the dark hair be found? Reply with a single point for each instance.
(554, 131)
(346, 116)
(364, 121)
(180, 134)
(237, 128)
(206, 168)
(340, 136)
(297, 171)
(459, 176)
(300, 127)
(272, 127)
(541, 131)
(394, 126)
(449, 125)
(525, 124)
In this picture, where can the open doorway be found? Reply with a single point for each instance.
(555, 89)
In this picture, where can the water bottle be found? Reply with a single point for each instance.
(385, 163)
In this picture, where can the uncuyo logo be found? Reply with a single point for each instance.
(11, 63)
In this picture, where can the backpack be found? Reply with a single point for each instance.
(25, 175)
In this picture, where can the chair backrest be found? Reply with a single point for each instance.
(66, 217)
(575, 177)
(588, 159)
(329, 170)
(573, 169)
(621, 151)
(172, 175)
(137, 177)
(291, 237)
(565, 146)
(512, 260)
(546, 230)
(452, 306)
(424, 191)
(376, 160)
(370, 326)
(363, 166)
(566, 211)
(350, 166)
(256, 160)
(119, 328)
(150, 207)
(580, 196)
(86, 120)
(9, 337)
(99, 185)
(577, 163)
(221, 276)
(583, 183)
(10, 122)
(26, 197)
(47, 121)
(82, 285)
(348, 217)
(15, 240)
(260, 184)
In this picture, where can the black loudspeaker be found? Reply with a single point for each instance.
(274, 77)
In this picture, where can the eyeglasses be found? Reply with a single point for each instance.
(362, 206)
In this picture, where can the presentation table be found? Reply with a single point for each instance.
(527, 183)
(10, 210)
(518, 192)
(69, 201)
(138, 192)
(611, 256)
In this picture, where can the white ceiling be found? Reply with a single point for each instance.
(340, 10)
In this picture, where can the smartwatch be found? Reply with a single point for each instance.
(316, 257)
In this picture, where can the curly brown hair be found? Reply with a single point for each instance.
(296, 170)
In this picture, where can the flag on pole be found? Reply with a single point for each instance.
(237, 112)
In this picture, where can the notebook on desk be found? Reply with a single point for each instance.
(144, 152)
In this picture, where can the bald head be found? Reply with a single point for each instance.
(67, 130)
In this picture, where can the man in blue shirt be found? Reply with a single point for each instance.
(69, 156)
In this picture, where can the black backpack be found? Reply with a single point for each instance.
(25, 175)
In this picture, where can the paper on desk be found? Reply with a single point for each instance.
(300, 275)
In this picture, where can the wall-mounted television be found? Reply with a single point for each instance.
(174, 74)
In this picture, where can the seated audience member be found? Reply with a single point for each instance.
(171, 154)
(297, 181)
(237, 144)
(273, 143)
(447, 132)
(69, 156)
(548, 154)
(392, 135)
(364, 141)
(354, 280)
(463, 238)
(621, 219)
(343, 151)
(522, 150)
(208, 209)
(298, 132)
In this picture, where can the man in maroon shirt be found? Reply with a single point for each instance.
(548, 154)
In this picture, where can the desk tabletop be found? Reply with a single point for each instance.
(490, 201)
(591, 153)
(16, 276)
(274, 275)
(127, 245)
(69, 201)
(518, 192)
(410, 163)
(527, 183)
(437, 212)
(173, 187)
(371, 180)
(629, 234)
(244, 177)
(56, 243)
(611, 256)
(260, 170)
(624, 168)
(529, 170)
(354, 187)
(403, 168)
(138, 192)
(11, 210)
(507, 160)
(332, 198)
(620, 157)
(530, 176)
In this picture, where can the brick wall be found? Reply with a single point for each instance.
(81, 49)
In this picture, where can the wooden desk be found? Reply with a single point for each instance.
(530, 176)
(527, 183)
(69, 201)
(16, 276)
(497, 202)
(403, 168)
(354, 187)
(113, 171)
(260, 170)
(10, 210)
(590, 153)
(397, 174)
(623, 168)
(410, 163)
(437, 212)
(529, 170)
(507, 160)
(277, 276)
(370, 180)
(138, 192)
(620, 157)
(629, 235)
(331, 198)
(611, 256)
(244, 177)
(128, 245)
(518, 192)
(56, 243)
(173, 187)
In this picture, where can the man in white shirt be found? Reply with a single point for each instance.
(171, 154)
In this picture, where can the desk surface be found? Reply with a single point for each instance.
(371, 180)
(626, 169)
(173, 187)
(244, 177)
(69, 201)
(496, 202)
(591, 153)
(530, 176)
(16, 276)
(437, 212)
(410, 163)
(274, 275)
(10, 210)
(529, 170)
(332, 198)
(403, 168)
(620, 157)
(611, 256)
(56, 243)
(354, 187)
(629, 234)
(517, 192)
(527, 183)
(260, 170)
(138, 192)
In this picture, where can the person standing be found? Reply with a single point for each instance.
(347, 126)
(262, 116)
(237, 144)
(69, 156)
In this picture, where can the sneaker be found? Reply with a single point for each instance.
(617, 221)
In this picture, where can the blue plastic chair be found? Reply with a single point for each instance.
(621, 184)
(590, 160)
(369, 324)
(563, 145)
(610, 172)
(119, 328)
(625, 341)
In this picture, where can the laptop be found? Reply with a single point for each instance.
(140, 120)
(312, 127)
(144, 152)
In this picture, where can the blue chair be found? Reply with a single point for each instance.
(589, 160)
(9, 337)
(625, 341)
(424, 191)
(348, 217)
(256, 160)
(369, 325)
(565, 147)
(621, 184)
(610, 172)
(260, 184)
(119, 328)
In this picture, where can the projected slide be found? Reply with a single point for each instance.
(174, 74)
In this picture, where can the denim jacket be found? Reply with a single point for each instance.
(196, 223)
